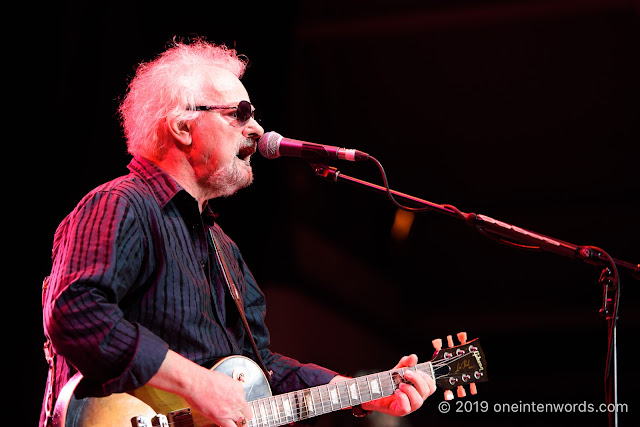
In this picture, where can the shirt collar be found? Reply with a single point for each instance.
(163, 186)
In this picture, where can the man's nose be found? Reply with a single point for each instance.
(252, 129)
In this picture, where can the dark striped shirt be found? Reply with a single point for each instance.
(133, 276)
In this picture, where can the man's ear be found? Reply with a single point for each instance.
(179, 130)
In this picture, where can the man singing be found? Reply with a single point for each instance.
(137, 295)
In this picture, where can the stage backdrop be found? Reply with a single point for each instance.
(526, 111)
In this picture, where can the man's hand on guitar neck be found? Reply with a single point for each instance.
(408, 397)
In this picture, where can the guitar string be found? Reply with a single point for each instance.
(321, 396)
(282, 417)
(301, 396)
(268, 417)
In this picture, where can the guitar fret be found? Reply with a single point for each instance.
(317, 401)
(254, 421)
(254, 405)
(343, 392)
(282, 410)
(286, 405)
(328, 398)
(391, 383)
(263, 414)
(295, 411)
(296, 406)
(274, 411)
(363, 389)
(427, 367)
(368, 388)
(323, 395)
(303, 409)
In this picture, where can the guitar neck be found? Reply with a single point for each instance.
(302, 404)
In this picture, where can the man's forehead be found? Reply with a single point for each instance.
(224, 85)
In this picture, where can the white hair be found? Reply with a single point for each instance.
(166, 88)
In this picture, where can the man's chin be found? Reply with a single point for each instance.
(240, 183)
(245, 176)
(228, 182)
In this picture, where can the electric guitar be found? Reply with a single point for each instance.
(451, 368)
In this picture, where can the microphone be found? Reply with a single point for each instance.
(273, 145)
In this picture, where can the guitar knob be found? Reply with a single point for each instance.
(239, 374)
(450, 341)
(448, 395)
(462, 337)
(437, 344)
(461, 391)
(473, 389)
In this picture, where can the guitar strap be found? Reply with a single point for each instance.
(50, 357)
(235, 295)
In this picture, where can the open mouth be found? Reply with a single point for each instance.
(246, 151)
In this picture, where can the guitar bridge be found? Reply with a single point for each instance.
(181, 418)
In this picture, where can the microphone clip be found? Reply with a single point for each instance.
(324, 171)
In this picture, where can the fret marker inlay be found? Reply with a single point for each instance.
(354, 391)
(287, 408)
(375, 387)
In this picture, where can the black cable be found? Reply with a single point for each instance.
(409, 208)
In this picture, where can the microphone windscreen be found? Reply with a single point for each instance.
(268, 145)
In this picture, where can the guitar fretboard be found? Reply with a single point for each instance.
(302, 404)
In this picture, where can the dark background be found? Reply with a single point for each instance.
(526, 111)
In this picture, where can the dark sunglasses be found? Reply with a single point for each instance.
(244, 110)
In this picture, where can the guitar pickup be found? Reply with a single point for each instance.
(157, 421)
(160, 421)
(140, 422)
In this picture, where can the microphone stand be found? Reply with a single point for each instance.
(526, 239)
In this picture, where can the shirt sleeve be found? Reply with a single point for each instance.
(288, 374)
(98, 256)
